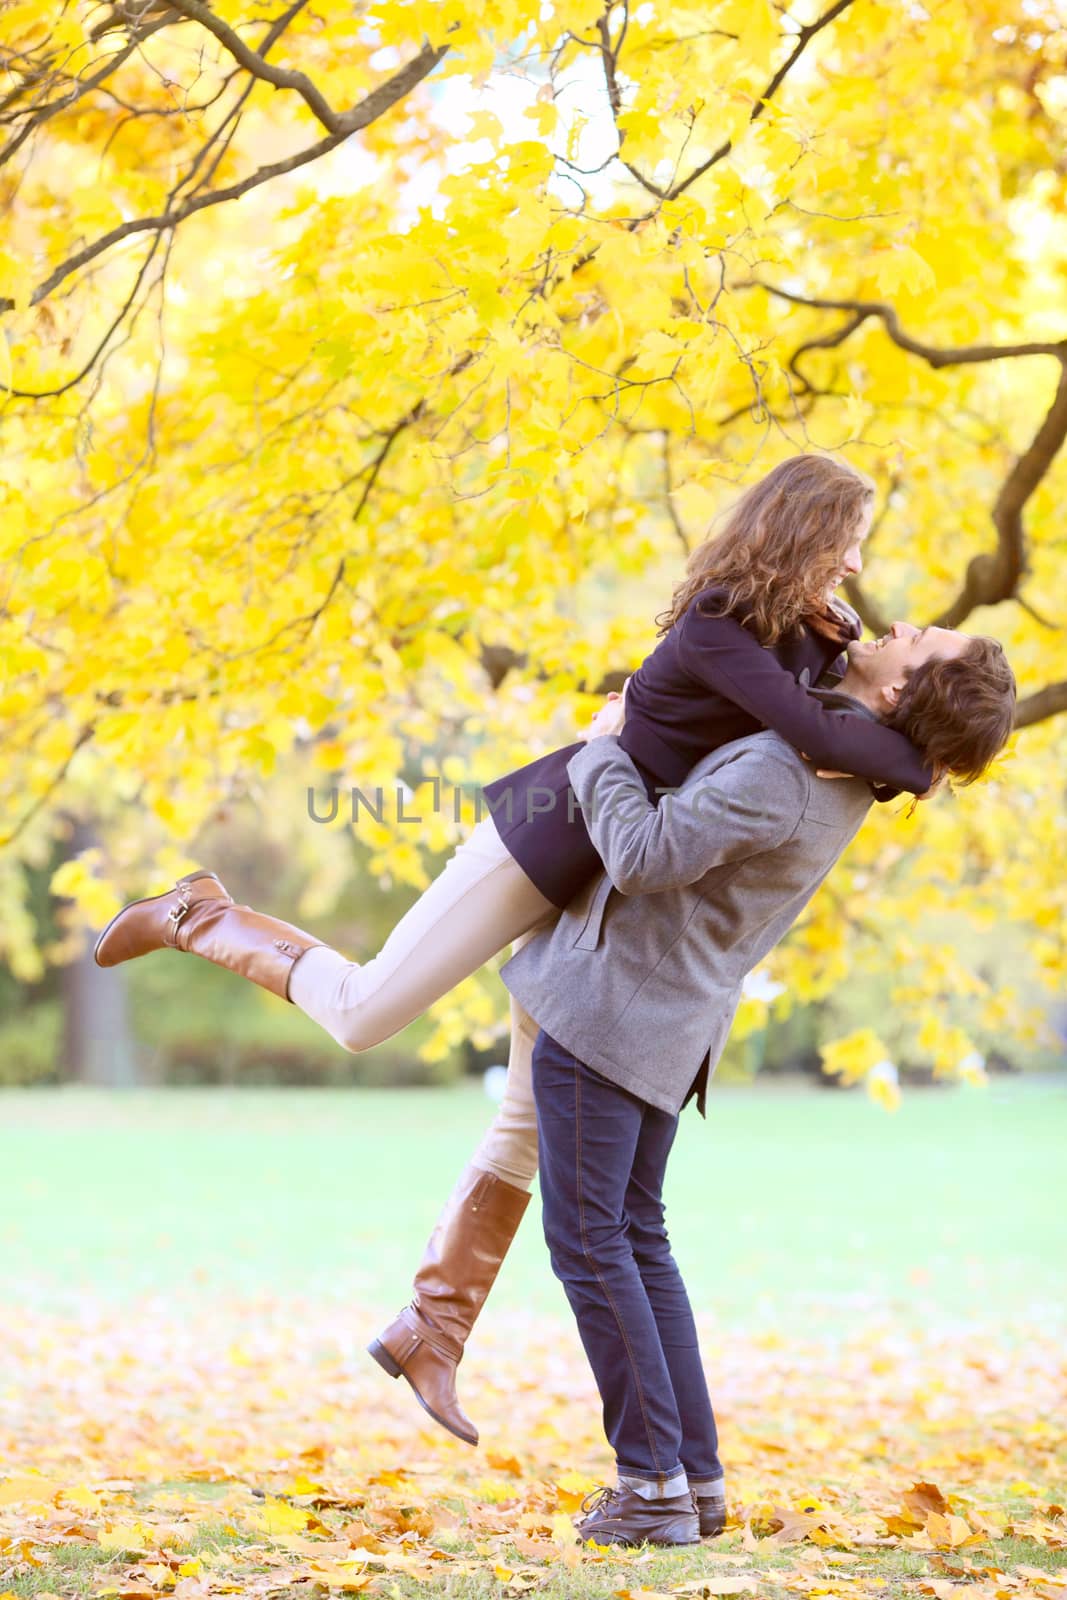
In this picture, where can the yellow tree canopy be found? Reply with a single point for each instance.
(371, 368)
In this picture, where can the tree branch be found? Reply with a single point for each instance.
(953, 356)
(113, 325)
(498, 660)
(828, 341)
(610, 57)
(803, 39)
(870, 613)
(1041, 705)
(51, 108)
(257, 65)
(374, 105)
(668, 490)
(84, 735)
(993, 576)
(868, 610)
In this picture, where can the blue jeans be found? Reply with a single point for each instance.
(603, 1154)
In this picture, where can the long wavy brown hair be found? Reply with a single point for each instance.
(780, 549)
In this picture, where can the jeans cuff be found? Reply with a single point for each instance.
(659, 1488)
(709, 1488)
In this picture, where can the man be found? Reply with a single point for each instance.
(634, 988)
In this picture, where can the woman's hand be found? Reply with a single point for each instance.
(939, 782)
(940, 778)
(609, 719)
(824, 772)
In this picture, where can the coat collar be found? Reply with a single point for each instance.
(836, 701)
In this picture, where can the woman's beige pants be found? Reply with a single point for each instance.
(479, 904)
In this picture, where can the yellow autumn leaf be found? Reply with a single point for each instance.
(572, 1488)
(948, 1531)
(159, 1574)
(26, 1488)
(902, 268)
(83, 1498)
(132, 1537)
(277, 1516)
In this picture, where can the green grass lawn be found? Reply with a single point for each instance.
(835, 1255)
(787, 1196)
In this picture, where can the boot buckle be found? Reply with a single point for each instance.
(176, 913)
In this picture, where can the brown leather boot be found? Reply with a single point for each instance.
(199, 915)
(424, 1344)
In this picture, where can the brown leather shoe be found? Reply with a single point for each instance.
(619, 1516)
(424, 1344)
(199, 915)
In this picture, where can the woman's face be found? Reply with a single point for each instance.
(851, 563)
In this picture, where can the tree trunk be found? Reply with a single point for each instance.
(98, 1044)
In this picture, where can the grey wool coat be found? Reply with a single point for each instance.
(641, 975)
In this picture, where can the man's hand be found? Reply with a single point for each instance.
(609, 719)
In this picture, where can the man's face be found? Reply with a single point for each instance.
(883, 664)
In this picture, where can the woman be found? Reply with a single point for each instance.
(751, 623)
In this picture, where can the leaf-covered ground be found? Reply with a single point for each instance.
(255, 1449)
(187, 1408)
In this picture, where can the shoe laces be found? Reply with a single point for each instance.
(599, 1500)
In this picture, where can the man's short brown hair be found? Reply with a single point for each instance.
(960, 710)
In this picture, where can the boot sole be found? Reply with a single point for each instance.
(190, 877)
(395, 1370)
(635, 1544)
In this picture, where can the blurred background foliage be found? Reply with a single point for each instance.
(185, 1021)
(368, 374)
